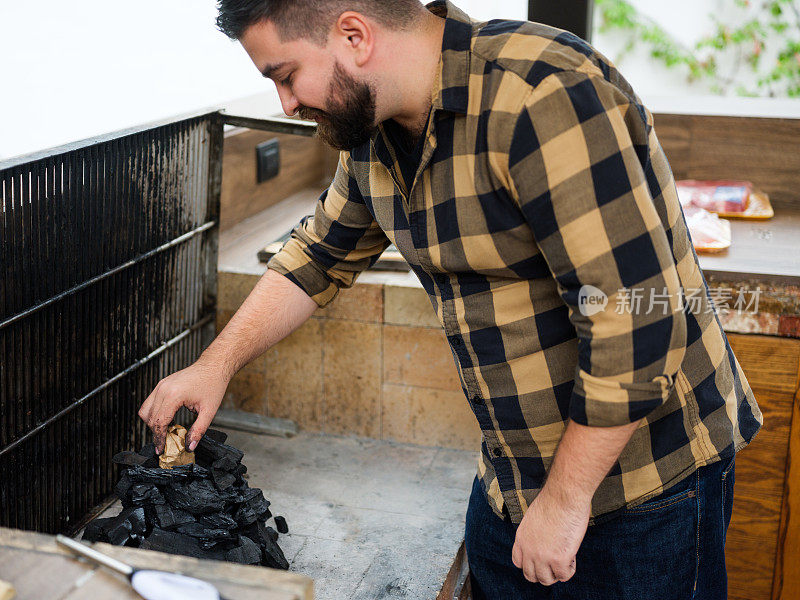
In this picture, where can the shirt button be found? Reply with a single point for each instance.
(477, 400)
(457, 342)
(497, 452)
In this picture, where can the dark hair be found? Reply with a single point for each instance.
(310, 19)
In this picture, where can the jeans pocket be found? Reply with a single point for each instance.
(649, 551)
(680, 492)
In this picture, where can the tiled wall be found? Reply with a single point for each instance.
(373, 363)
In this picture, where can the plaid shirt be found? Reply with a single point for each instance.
(545, 226)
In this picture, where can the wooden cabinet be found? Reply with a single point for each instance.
(763, 545)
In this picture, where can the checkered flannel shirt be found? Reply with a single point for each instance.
(543, 186)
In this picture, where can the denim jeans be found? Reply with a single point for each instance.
(671, 547)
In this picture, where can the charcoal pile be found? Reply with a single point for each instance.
(203, 509)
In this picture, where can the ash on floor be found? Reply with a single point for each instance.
(367, 519)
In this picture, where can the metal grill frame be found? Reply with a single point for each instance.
(70, 391)
(107, 284)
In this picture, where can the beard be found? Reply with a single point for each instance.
(349, 120)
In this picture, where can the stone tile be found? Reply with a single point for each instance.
(329, 454)
(233, 288)
(362, 302)
(744, 322)
(408, 306)
(360, 526)
(453, 469)
(789, 326)
(352, 377)
(418, 356)
(391, 574)
(293, 374)
(429, 417)
(358, 508)
(334, 566)
(248, 390)
(401, 496)
(291, 544)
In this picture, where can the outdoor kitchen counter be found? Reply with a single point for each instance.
(39, 569)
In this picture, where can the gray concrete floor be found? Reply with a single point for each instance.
(368, 519)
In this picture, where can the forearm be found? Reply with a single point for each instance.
(583, 458)
(273, 310)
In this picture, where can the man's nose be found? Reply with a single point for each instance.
(288, 102)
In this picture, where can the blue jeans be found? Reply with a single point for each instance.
(671, 547)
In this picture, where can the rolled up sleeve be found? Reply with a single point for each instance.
(327, 251)
(577, 167)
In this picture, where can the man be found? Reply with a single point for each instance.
(521, 178)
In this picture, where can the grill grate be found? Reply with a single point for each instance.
(107, 284)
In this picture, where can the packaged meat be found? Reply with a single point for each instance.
(726, 197)
(709, 232)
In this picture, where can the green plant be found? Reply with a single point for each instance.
(770, 28)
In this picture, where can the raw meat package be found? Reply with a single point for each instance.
(709, 232)
(725, 197)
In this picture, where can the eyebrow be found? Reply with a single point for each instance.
(269, 70)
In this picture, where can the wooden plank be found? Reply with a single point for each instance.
(771, 366)
(35, 553)
(24, 569)
(786, 583)
(453, 583)
(304, 163)
(762, 150)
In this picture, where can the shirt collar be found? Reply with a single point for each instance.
(450, 89)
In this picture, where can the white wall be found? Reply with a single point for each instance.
(70, 69)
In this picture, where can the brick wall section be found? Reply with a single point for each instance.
(374, 363)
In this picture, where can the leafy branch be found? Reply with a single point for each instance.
(771, 28)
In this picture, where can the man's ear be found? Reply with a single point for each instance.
(357, 35)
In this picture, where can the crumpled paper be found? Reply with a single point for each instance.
(7, 591)
(175, 452)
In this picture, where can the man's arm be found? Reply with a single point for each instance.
(325, 253)
(273, 310)
(554, 525)
(576, 167)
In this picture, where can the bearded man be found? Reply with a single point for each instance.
(520, 176)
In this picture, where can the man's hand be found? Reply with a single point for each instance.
(555, 523)
(274, 309)
(549, 536)
(199, 387)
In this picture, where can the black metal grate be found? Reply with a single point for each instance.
(107, 284)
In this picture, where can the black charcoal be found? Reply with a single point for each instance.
(204, 509)
(123, 485)
(141, 494)
(172, 542)
(129, 459)
(209, 451)
(215, 434)
(218, 520)
(273, 535)
(247, 553)
(280, 524)
(222, 480)
(226, 463)
(199, 531)
(167, 517)
(117, 530)
(197, 497)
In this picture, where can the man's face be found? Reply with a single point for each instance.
(312, 82)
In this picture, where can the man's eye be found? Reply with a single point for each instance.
(287, 80)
